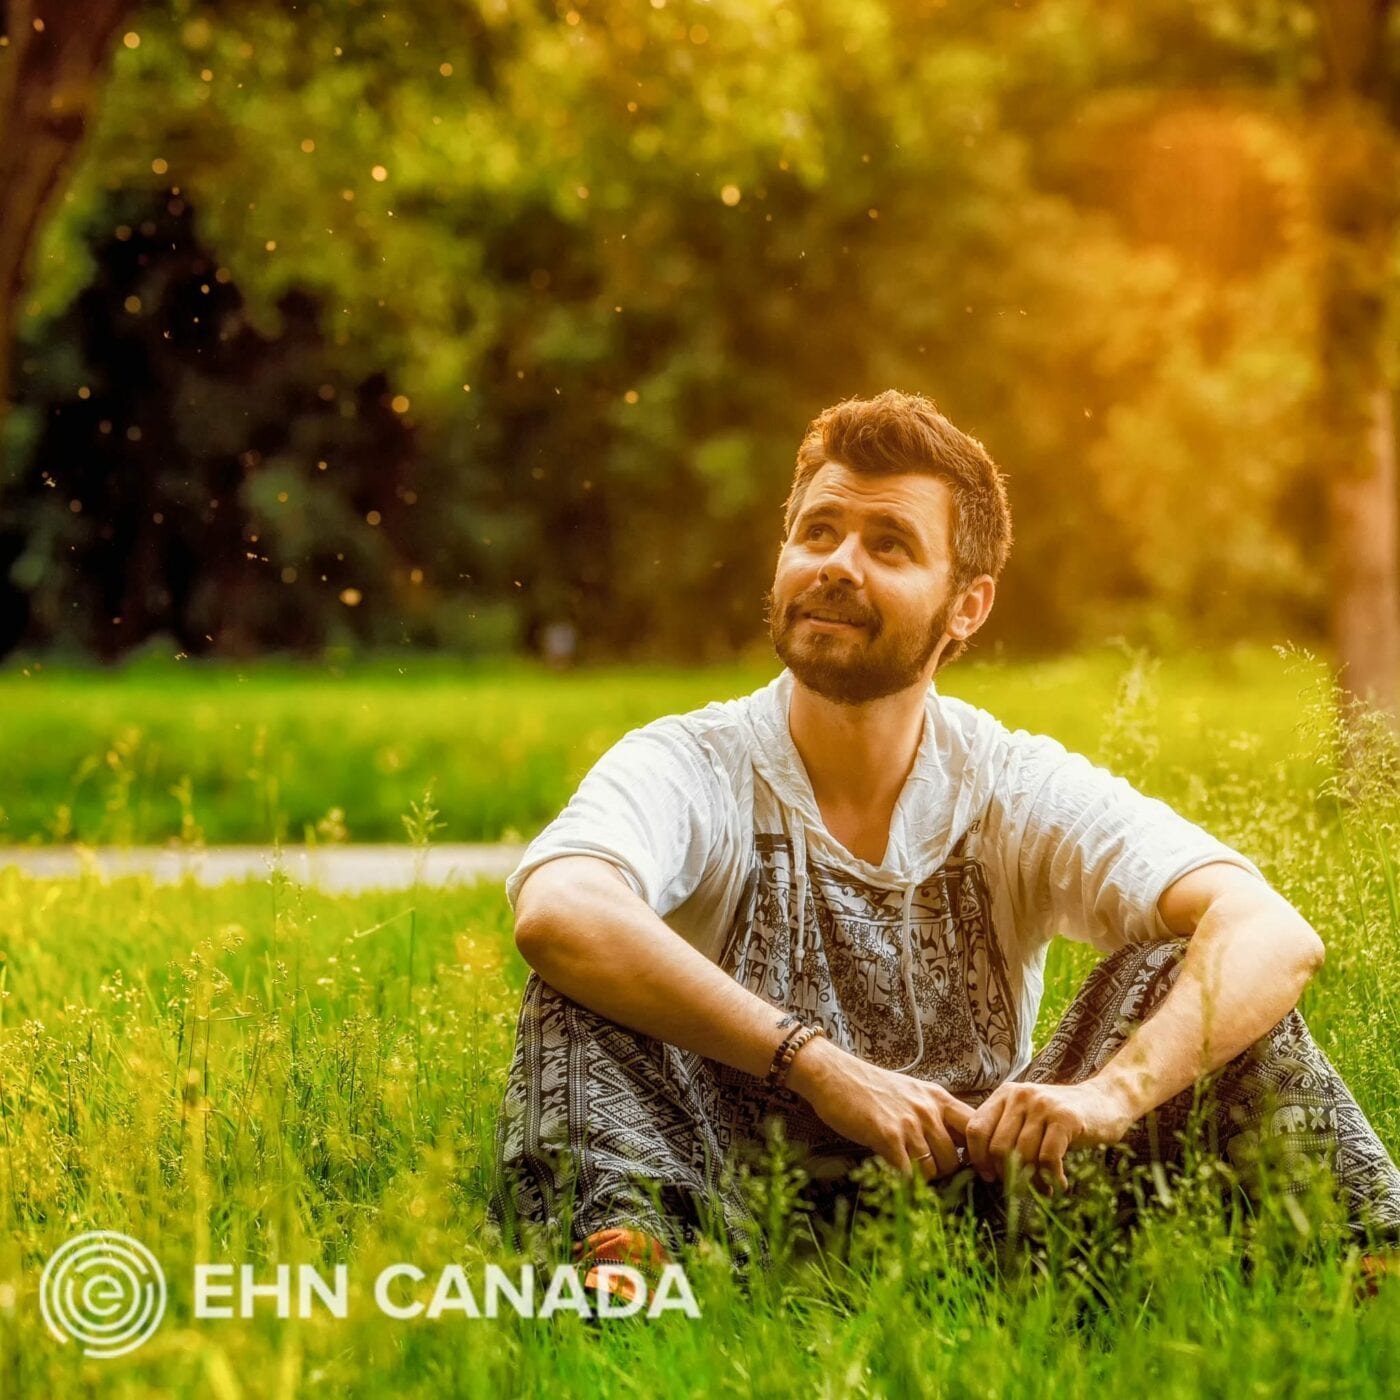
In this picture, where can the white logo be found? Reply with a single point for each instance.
(107, 1292)
(104, 1290)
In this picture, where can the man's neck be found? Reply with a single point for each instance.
(857, 757)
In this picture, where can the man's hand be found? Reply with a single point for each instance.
(1040, 1123)
(901, 1118)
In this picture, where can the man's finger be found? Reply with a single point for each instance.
(1053, 1147)
(956, 1116)
(980, 1128)
(945, 1154)
(897, 1155)
(1028, 1144)
(1004, 1139)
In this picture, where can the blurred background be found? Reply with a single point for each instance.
(490, 328)
(397, 402)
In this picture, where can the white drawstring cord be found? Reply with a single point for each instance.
(799, 861)
(906, 958)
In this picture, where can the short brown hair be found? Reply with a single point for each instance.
(896, 432)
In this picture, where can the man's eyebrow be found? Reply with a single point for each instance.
(896, 523)
(880, 519)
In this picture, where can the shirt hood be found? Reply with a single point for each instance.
(949, 786)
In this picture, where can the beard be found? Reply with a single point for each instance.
(851, 668)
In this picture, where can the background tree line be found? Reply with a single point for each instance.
(438, 323)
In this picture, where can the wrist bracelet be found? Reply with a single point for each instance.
(787, 1050)
(797, 1028)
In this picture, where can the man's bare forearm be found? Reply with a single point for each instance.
(585, 932)
(1245, 967)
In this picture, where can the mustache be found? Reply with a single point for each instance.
(836, 600)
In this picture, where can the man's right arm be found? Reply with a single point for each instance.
(581, 927)
(588, 935)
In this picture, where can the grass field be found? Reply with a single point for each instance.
(260, 1073)
(157, 750)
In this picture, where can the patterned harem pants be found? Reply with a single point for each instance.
(602, 1126)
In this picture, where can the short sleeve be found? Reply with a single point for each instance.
(1094, 855)
(650, 806)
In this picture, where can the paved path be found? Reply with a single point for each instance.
(339, 869)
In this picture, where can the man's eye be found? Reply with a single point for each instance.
(890, 542)
(815, 529)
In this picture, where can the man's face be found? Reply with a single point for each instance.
(861, 597)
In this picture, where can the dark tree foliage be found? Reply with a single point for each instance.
(553, 291)
(204, 481)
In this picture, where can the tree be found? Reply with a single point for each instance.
(53, 59)
(224, 491)
(1355, 113)
(607, 312)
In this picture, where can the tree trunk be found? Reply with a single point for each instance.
(52, 63)
(1356, 163)
(1365, 568)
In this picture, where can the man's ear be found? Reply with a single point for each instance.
(973, 607)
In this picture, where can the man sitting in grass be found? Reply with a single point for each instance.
(829, 903)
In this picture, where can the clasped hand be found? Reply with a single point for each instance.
(1040, 1123)
(918, 1125)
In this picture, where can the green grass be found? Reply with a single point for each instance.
(262, 1073)
(158, 751)
(247, 1074)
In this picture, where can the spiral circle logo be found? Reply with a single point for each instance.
(104, 1290)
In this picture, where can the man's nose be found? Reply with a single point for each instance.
(844, 563)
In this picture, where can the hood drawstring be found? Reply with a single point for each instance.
(906, 960)
(799, 868)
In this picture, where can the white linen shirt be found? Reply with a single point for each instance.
(999, 841)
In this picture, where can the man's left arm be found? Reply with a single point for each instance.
(1248, 958)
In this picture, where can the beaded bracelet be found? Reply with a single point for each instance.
(786, 1052)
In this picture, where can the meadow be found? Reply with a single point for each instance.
(161, 750)
(262, 1073)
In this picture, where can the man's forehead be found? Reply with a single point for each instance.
(917, 498)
